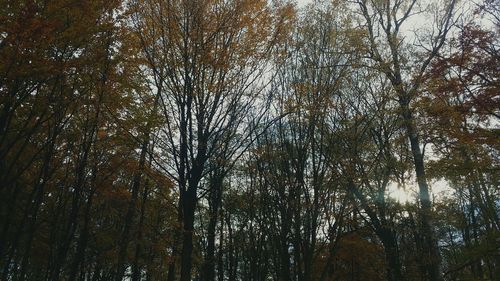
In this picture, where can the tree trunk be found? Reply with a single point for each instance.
(188, 208)
(430, 242)
(136, 267)
(136, 184)
(82, 242)
(220, 254)
(215, 198)
(389, 241)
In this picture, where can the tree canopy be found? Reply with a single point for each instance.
(249, 140)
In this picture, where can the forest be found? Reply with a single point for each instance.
(249, 140)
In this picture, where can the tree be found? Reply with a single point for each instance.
(248, 140)
(461, 102)
(206, 59)
(383, 21)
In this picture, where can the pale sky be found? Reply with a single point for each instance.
(301, 3)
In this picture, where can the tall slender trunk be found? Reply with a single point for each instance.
(388, 238)
(220, 254)
(231, 255)
(8, 206)
(430, 243)
(285, 262)
(171, 266)
(215, 198)
(136, 267)
(385, 234)
(129, 216)
(188, 209)
(82, 241)
(31, 213)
